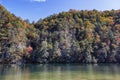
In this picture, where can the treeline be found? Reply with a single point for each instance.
(68, 37)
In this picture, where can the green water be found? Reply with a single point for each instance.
(60, 72)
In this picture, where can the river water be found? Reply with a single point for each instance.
(60, 72)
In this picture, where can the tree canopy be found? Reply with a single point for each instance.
(85, 36)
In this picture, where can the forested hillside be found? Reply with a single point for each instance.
(14, 37)
(68, 37)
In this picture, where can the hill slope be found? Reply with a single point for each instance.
(80, 36)
(74, 36)
(14, 33)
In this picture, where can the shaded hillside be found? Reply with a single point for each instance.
(79, 36)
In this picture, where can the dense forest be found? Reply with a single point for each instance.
(68, 37)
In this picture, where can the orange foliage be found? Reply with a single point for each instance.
(29, 49)
(118, 39)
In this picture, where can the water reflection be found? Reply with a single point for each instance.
(60, 72)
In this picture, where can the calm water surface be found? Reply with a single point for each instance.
(60, 72)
